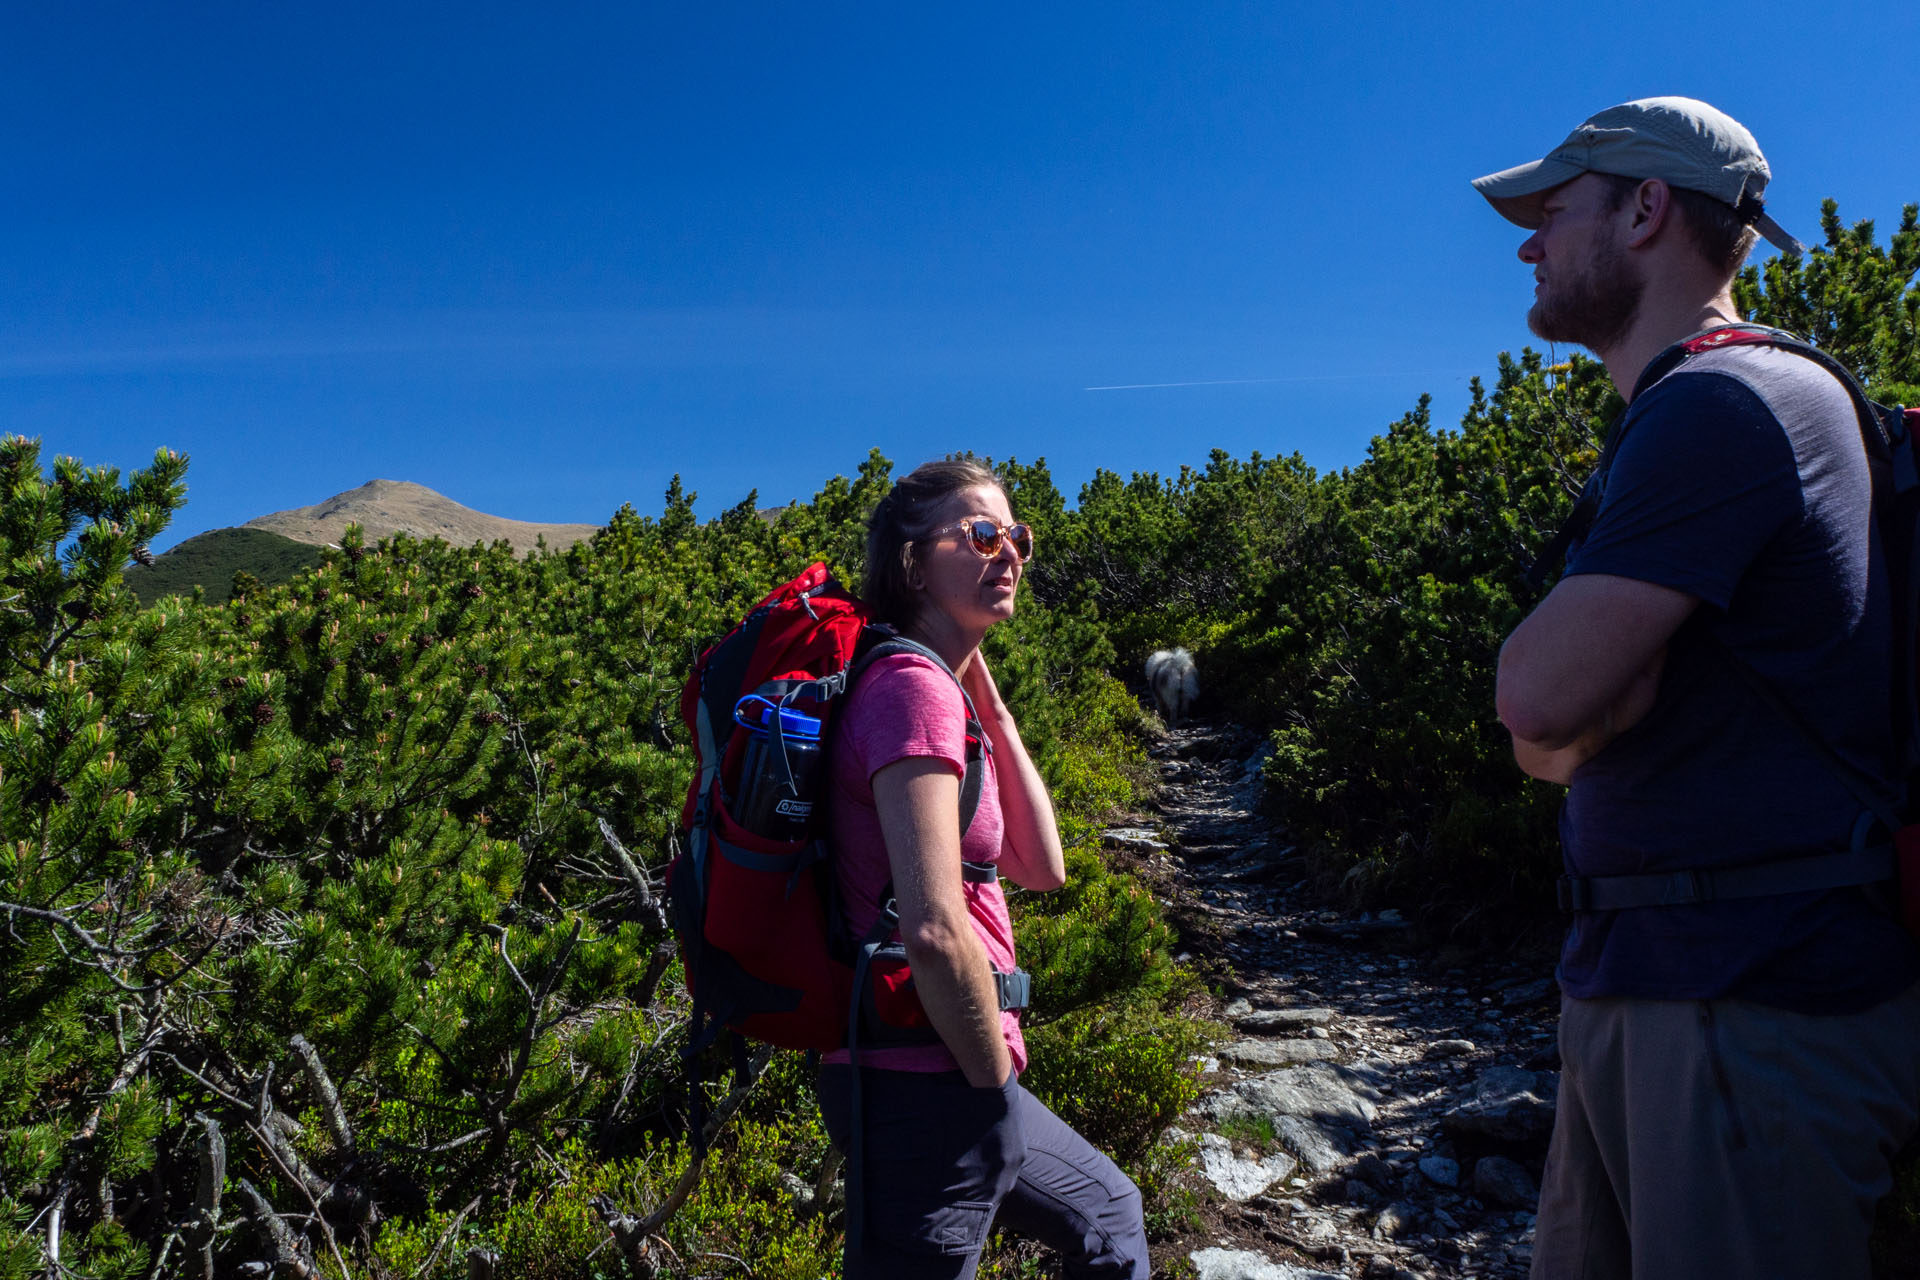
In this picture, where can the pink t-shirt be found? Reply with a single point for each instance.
(906, 706)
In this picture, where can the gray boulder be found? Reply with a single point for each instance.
(1320, 1150)
(1527, 992)
(1507, 1104)
(1318, 1111)
(1441, 1171)
(1276, 1053)
(1398, 1219)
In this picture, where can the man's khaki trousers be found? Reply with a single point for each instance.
(1723, 1140)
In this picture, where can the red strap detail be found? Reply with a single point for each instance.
(1732, 336)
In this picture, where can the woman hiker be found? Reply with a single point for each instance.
(948, 1138)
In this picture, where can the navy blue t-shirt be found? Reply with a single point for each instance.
(1741, 480)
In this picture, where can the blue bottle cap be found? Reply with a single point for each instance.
(756, 713)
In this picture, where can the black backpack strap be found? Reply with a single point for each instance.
(1886, 433)
(884, 924)
(1854, 868)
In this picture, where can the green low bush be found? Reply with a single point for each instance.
(1119, 1077)
(325, 870)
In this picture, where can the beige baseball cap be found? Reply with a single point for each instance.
(1680, 140)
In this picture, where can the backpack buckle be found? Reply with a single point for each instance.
(1574, 893)
(1014, 989)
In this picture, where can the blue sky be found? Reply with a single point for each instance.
(541, 258)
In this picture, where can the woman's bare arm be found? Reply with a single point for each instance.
(919, 804)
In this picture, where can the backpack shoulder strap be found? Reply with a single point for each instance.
(1886, 430)
(888, 643)
(1887, 434)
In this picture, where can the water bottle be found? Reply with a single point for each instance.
(775, 798)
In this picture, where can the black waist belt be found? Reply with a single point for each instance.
(1711, 884)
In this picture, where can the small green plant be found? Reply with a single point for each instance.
(1165, 1178)
(1249, 1128)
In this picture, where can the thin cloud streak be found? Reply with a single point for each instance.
(1317, 377)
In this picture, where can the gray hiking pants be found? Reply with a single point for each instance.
(942, 1158)
(1723, 1139)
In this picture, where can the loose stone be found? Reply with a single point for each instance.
(1504, 1182)
(1237, 1177)
(1244, 1264)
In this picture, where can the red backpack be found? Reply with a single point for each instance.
(758, 919)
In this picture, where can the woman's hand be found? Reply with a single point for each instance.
(977, 680)
(1031, 856)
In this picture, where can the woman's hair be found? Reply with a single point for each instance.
(905, 515)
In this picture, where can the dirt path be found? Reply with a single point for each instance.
(1376, 1114)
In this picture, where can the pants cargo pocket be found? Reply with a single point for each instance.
(952, 1230)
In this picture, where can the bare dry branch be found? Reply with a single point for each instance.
(823, 1185)
(453, 1229)
(82, 1142)
(336, 1115)
(634, 1235)
(637, 879)
(287, 1256)
(206, 1198)
(274, 1139)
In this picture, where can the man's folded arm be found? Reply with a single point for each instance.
(1584, 667)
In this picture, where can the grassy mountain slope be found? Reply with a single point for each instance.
(209, 560)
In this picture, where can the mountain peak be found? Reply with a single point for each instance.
(384, 507)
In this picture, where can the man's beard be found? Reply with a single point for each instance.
(1593, 308)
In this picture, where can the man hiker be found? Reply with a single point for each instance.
(1740, 1020)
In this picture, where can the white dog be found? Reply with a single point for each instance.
(1171, 677)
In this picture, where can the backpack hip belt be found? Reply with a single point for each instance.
(1715, 884)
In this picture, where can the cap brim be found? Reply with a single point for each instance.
(1517, 193)
(1776, 235)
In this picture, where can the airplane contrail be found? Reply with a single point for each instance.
(1243, 382)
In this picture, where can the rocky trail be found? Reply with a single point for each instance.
(1375, 1113)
